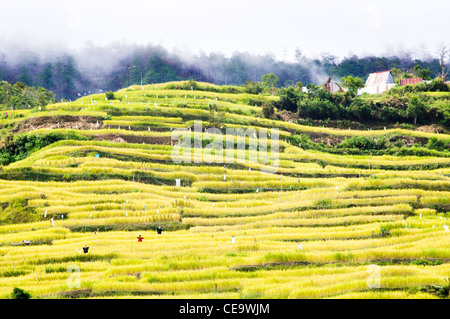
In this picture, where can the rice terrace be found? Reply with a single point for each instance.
(93, 205)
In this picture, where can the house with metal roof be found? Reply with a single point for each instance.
(413, 81)
(378, 82)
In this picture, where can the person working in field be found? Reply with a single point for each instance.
(140, 238)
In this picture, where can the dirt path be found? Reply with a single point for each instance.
(61, 121)
(118, 138)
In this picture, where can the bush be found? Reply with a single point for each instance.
(20, 294)
(360, 110)
(438, 84)
(18, 212)
(364, 143)
(288, 99)
(268, 110)
(435, 144)
(385, 231)
(25, 144)
(302, 140)
(110, 95)
(20, 96)
(252, 87)
(189, 85)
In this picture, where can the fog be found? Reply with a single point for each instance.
(343, 27)
(219, 41)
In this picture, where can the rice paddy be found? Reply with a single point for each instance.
(311, 230)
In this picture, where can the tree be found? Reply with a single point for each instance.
(252, 87)
(47, 77)
(3, 66)
(415, 108)
(268, 110)
(24, 76)
(158, 70)
(298, 55)
(442, 56)
(299, 86)
(288, 99)
(422, 73)
(353, 83)
(270, 81)
(288, 83)
(66, 73)
(216, 116)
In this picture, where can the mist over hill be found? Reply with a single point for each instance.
(94, 68)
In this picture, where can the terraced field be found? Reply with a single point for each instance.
(311, 230)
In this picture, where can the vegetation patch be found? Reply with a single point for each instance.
(172, 226)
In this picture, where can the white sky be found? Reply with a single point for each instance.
(339, 27)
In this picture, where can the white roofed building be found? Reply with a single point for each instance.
(378, 82)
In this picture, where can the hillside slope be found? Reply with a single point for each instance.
(99, 172)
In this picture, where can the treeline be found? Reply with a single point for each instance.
(21, 96)
(60, 75)
(413, 104)
(70, 75)
(14, 148)
(361, 67)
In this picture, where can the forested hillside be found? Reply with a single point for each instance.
(109, 68)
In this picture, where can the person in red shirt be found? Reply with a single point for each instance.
(140, 238)
(6, 114)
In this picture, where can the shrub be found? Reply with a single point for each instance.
(17, 212)
(288, 99)
(252, 87)
(20, 294)
(364, 143)
(25, 144)
(302, 140)
(268, 110)
(110, 95)
(435, 144)
(385, 231)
